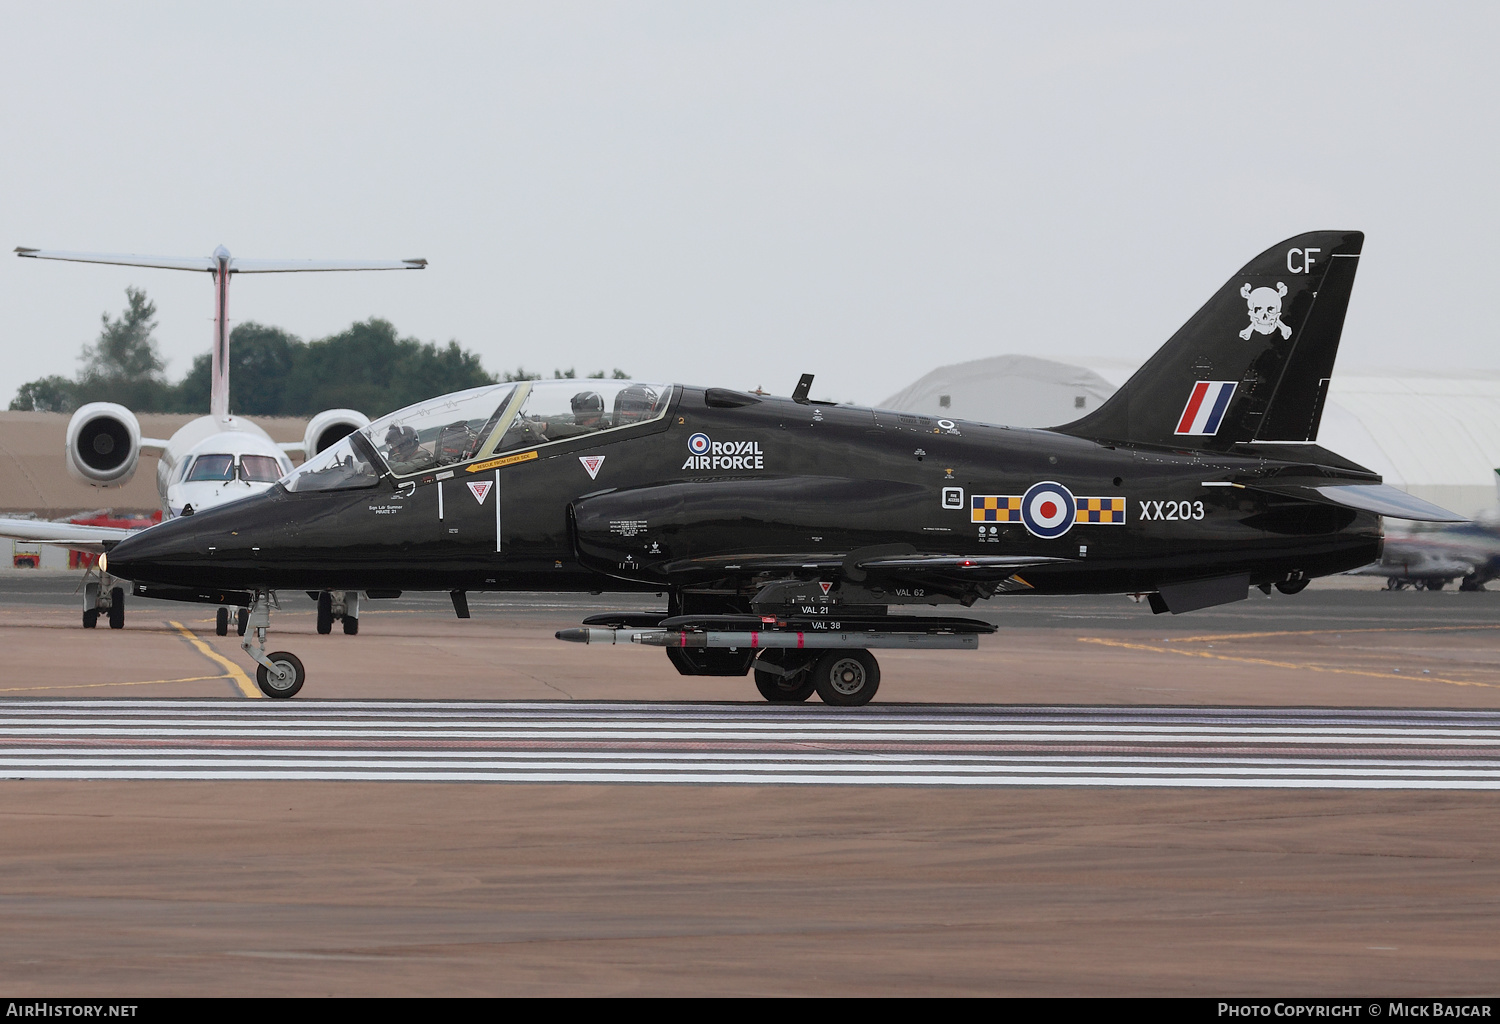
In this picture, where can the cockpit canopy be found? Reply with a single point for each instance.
(482, 423)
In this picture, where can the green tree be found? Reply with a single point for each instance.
(49, 394)
(123, 366)
(126, 349)
(369, 368)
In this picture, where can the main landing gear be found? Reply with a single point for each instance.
(280, 674)
(342, 605)
(102, 597)
(847, 678)
(221, 622)
(792, 658)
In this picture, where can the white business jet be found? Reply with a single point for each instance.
(212, 460)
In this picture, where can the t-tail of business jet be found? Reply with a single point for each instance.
(211, 460)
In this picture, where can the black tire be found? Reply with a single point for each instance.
(90, 618)
(117, 608)
(351, 625)
(1436, 584)
(785, 689)
(221, 622)
(244, 621)
(325, 613)
(285, 690)
(846, 678)
(1293, 586)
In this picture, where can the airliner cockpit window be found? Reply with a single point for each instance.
(213, 467)
(441, 432)
(259, 469)
(341, 467)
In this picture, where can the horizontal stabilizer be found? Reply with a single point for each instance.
(1382, 499)
(209, 264)
(239, 266)
(204, 263)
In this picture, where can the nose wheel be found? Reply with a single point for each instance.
(279, 674)
(283, 677)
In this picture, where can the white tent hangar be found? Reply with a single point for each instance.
(1434, 435)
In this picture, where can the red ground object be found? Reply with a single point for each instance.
(105, 517)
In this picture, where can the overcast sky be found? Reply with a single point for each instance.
(736, 193)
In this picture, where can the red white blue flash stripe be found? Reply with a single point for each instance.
(1205, 407)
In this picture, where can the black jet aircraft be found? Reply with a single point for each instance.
(792, 537)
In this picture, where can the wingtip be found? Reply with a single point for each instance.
(416, 264)
(22, 250)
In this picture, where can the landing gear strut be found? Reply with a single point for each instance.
(280, 674)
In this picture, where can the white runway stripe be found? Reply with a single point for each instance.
(740, 744)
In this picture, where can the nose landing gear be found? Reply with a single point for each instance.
(280, 674)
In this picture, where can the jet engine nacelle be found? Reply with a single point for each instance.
(104, 444)
(329, 427)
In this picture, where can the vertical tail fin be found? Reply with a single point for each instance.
(1253, 364)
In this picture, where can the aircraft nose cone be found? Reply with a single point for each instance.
(152, 553)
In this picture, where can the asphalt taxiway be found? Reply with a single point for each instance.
(1214, 803)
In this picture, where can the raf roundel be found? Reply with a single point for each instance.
(698, 444)
(1048, 509)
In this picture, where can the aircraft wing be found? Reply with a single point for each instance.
(205, 263)
(910, 564)
(69, 535)
(239, 266)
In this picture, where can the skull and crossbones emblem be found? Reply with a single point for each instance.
(1265, 310)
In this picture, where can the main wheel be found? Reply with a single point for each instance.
(1293, 586)
(795, 685)
(90, 618)
(117, 608)
(1436, 583)
(285, 687)
(846, 678)
(325, 613)
(244, 621)
(351, 625)
(221, 622)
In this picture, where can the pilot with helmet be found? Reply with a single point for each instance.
(588, 417)
(634, 404)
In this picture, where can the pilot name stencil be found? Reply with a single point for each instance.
(704, 453)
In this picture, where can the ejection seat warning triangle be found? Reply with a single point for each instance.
(592, 464)
(481, 490)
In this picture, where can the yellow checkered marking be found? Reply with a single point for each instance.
(1101, 510)
(996, 508)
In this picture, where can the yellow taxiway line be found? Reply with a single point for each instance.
(231, 670)
(85, 686)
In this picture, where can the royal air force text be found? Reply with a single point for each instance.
(729, 455)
